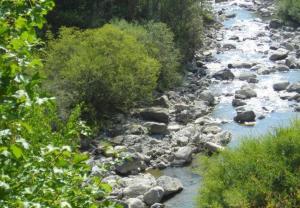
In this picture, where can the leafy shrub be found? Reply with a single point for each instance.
(290, 10)
(259, 173)
(158, 39)
(106, 68)
(40, 163)
(183, 17)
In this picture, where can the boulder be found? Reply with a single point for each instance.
(245, 93)
(232, 15)
(275, 24)
(132, 164)
(135, 203)
(281, 68)
(170, 185)
(155, 114)
(184, 154)
(247, 76)
(295, 87)
(154, 195)
(157, 205)
(245, 116)
(157, 128)
(229, 46)
(238, 102)
(208, 97)
(281, 86)
(212, 147)
(162, 101)
(225, 74)
(279, 54)
(240, 64)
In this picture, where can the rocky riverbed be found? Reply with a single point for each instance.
(246, 75)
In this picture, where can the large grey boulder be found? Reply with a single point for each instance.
(279, 54)
(184, 154)
(135, 203)
(225, 74)
(154, 195)
(170, 185)
(295, 87)
(156, 128)
(155, 114)
(240, 64)
(281, 86)
(245, 116)
(245, 93)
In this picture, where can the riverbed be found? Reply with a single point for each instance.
(268, 105)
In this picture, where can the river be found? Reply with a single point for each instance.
(275, 111)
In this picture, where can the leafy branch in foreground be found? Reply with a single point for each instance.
(40, 165)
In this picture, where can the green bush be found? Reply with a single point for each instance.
(183, 17)
(262, 172)
(290, 10)
(106, 68)
(158, 39)
(40, 164)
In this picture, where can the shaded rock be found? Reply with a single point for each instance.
(281, 86)
(279, 54)
(135, 203)
(154, 195)
(170, 185)
(229, 46)
(275, 24)
(162, 101)
(238, 102)
(281, 68)
(295, 87)
(155, 114)
(297, 108)
(233, 15)
(245, 116)
(157, 128)
(225, 74)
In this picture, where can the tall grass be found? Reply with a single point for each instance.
(262, 172)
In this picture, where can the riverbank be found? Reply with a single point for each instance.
(235, 78)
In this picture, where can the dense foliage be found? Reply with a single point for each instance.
(106, 68)
(158, 40)
(259, 173)
(290, 10)
(40, 165)
(184, 17)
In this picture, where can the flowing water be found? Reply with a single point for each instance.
(277, 112)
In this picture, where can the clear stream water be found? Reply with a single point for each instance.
(277, 112)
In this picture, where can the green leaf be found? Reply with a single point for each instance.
(17, 152)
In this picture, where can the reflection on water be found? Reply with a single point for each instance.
(190, 182)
